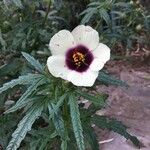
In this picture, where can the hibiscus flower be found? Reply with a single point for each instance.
(77, 56)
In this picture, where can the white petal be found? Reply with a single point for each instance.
(56, 66)
(96, 64)
(87, 36)
(61, 42)
(102, 53)
(83, 79)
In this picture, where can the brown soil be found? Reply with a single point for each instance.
(131, 106)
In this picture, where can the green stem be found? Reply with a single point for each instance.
(48, 9)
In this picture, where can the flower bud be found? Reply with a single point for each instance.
(139, 27)
(131, 2)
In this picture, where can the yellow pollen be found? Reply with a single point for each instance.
(78, 58)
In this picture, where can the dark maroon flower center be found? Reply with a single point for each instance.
(79, 58)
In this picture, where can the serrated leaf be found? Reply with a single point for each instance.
(108, 79)
(24, 126)
(57, 119)
(60, 101)
(76, 122)
(88, 15)
(105, 16)
(91, 137)
(35, 63)
(111, 124)
(22, 80)
(56, 116)
(22, 101)
(98, 100)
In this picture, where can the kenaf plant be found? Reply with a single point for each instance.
(57, 103)
(52, 106)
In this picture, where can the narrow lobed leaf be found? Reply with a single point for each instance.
(116, 126)
(98, 100)
(57, 119)
(24, 126)
(88, 14)
(104, 14)
(33, 62)
(108, 79)
(23, 99)
(22, 80)
(91, 137)
(76, 122)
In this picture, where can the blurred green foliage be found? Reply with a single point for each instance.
(119, 21)
(28, 25)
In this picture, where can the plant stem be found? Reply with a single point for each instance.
(48, 9)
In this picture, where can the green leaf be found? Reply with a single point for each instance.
(89, 13)
(91, 137)
(53, 135)
(11, 68)
(2, 41)
(39, 139)
(23, 99)
(22, 80)
(58, 3)
(56, 116)
(76, 122)
(64, 145)
(57, 119)
(98, 100)
(116, 126)
(7, 124)
(105, 16)
(108, 79)
(24, 126)
(43, 144)
(122, 4)
(18, 3)
(35, 63)
(60, 101)
(94, 4)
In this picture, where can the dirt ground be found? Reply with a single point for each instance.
(131, 106)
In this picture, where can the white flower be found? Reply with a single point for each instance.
(77, 56)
